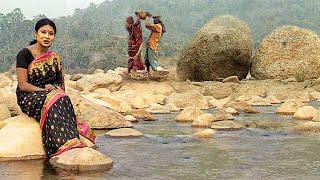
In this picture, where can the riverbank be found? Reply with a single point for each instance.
(111, 100)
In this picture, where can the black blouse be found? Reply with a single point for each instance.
(24, 58)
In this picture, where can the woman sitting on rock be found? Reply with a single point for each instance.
(41, 93)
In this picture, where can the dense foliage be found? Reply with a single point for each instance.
(95, 37)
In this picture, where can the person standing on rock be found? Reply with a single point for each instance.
(157, 29)
(134, 44)
(41, 93)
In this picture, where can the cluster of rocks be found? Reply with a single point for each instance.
(109, 101)
(223, 47)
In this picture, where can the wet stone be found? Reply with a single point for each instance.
(207, 133)
(226, 125)
(124, 132)
(82, 159)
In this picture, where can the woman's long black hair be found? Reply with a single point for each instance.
(43, 22)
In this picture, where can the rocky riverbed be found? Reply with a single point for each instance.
(180, 123)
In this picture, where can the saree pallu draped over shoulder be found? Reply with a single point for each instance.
(53, 110)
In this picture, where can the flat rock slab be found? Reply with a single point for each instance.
(233, 79)
(309, 126)
(158, 109)
(226, 125)
(82, 159)
(130, 118)
(143, 114)
(124, 132)
(208, 133)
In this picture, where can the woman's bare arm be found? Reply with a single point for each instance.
(23, 84)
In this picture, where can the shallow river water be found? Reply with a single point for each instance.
(168, 151)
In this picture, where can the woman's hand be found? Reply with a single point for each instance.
(49, 87)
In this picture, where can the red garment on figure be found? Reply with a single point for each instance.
(134, 43)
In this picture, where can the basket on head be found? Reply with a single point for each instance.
(142, 14)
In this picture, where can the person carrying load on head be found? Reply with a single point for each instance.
(157, 29)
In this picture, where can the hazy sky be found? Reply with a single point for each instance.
(50, 8)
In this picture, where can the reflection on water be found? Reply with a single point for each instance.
(167, 151)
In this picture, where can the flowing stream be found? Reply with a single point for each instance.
(168, 151)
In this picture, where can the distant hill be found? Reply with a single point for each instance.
(95, 37)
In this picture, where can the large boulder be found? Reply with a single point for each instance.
(99, 117)
(221, 48)
(20, 139)
(288, 51)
